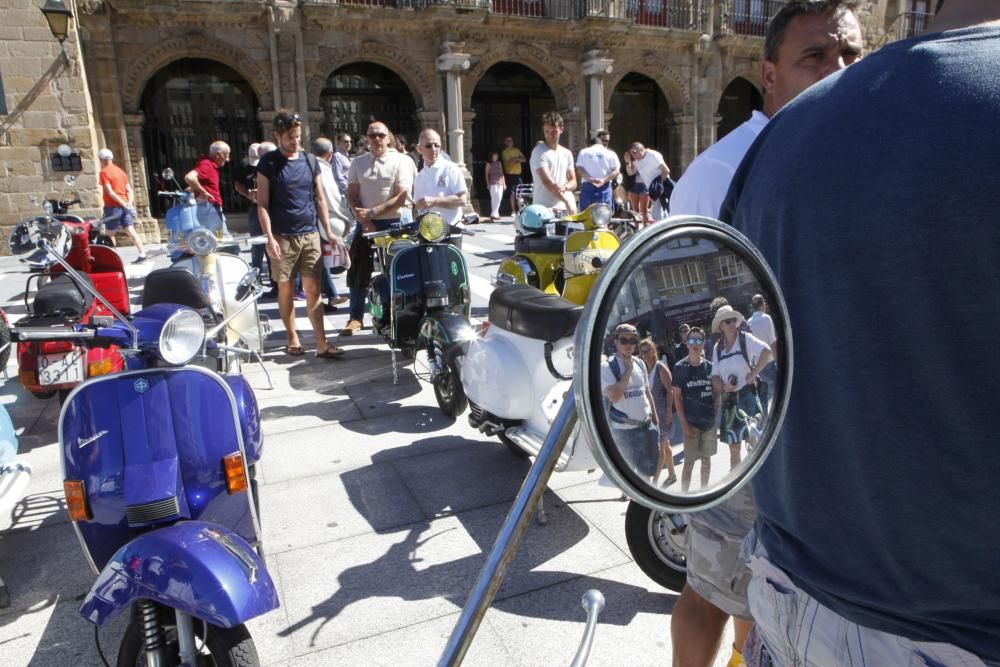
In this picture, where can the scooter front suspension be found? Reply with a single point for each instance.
(152, 634)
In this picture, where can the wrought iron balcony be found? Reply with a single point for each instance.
(749, 17)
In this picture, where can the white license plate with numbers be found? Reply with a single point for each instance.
(61, 368)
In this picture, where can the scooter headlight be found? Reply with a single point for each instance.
(433, 228)
(201, 242)
(181, 337)
(601, 215)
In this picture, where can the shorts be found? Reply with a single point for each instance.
(789, 622)
(123, 218)
(300, 253)
(715, 568)
(702, 445)
(513, 180)
(639, 188)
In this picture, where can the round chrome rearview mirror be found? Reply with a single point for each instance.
(27, 236)
(168, 174)
(692, 295)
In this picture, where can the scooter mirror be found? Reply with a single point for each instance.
(693, 295)
(168, 174)
(245, 286)
(27, 236)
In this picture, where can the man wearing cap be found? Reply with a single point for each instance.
(203, 181)
(596, 169)
(626, 386)
(116, 192)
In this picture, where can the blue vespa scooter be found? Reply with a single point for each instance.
(158, 467)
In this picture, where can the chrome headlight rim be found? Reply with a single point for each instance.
(181, 337)
(433, 228)
(201, 242)
(601, 215)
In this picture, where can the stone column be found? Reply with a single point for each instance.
(146, 225)
(453, 64)
(597, 68)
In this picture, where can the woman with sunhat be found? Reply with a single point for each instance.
(737, 360)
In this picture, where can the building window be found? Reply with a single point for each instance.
(679, 279)
(3, 100)
(732, 271)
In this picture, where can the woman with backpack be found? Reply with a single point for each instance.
(738, 358)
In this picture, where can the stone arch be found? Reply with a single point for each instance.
(670, 82)
(403, 65)
(748, 71)
(194, 46)
(560, 82)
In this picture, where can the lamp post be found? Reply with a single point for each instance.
(58, 16)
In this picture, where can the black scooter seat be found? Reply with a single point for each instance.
(173, 285)
(62, 296)
(530, 312)
(549, 245)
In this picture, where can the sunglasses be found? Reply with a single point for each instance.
(377, 135)
(696, 341)
(288, 122)
(628, 341)
(432, 145)
(731, 320)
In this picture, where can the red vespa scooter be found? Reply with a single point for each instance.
(45, 368)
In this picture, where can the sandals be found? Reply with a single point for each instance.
(294, 350)
(330, 353)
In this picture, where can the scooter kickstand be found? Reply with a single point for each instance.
(260, 360)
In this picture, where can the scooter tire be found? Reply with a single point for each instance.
(228, 647)
(4, 340)
(43, 395)
(654, 549)
(449, 393)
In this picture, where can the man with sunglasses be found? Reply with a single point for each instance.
(440, 186)
(378, 185)
(805, 42)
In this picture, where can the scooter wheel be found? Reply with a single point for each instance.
(449, 393)
(44, 395)
(657, 546)
(228, 647)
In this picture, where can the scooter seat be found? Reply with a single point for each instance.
(172, 285)
(62, 296)
(548, 245)
(530, 312)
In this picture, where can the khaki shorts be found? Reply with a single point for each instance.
(300, 253)
(715, 569)
(702, 445)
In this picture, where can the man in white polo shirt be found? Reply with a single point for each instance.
(440, 186)
(596, 169)
(554, 179)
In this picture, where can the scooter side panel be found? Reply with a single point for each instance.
(496, 378)
(200, 568)
(137, 417)
(406, 280)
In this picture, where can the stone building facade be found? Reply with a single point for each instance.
(155, 82)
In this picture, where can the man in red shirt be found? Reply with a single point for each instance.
(117, 194)
(204, 183)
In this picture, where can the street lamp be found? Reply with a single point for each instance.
(58, 16)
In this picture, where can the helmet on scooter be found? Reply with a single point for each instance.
(533, 219)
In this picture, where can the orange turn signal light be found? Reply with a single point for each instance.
(102, 367)
(76, 500)
(236, 478)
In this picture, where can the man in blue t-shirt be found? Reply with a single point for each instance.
(291, 206)
(696, 406)
(877, 540)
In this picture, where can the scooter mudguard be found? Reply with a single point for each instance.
(446, 328)
(200, 568)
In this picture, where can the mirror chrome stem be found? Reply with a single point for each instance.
(510, 535)
(97, 295)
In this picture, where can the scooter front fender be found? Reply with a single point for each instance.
(200, 568)
(447, 328)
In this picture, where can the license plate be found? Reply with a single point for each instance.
(61, 368)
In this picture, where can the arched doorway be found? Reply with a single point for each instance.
(356, 94)
(187, 105)
(739, 100)
(509, 100)
(639, 113)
